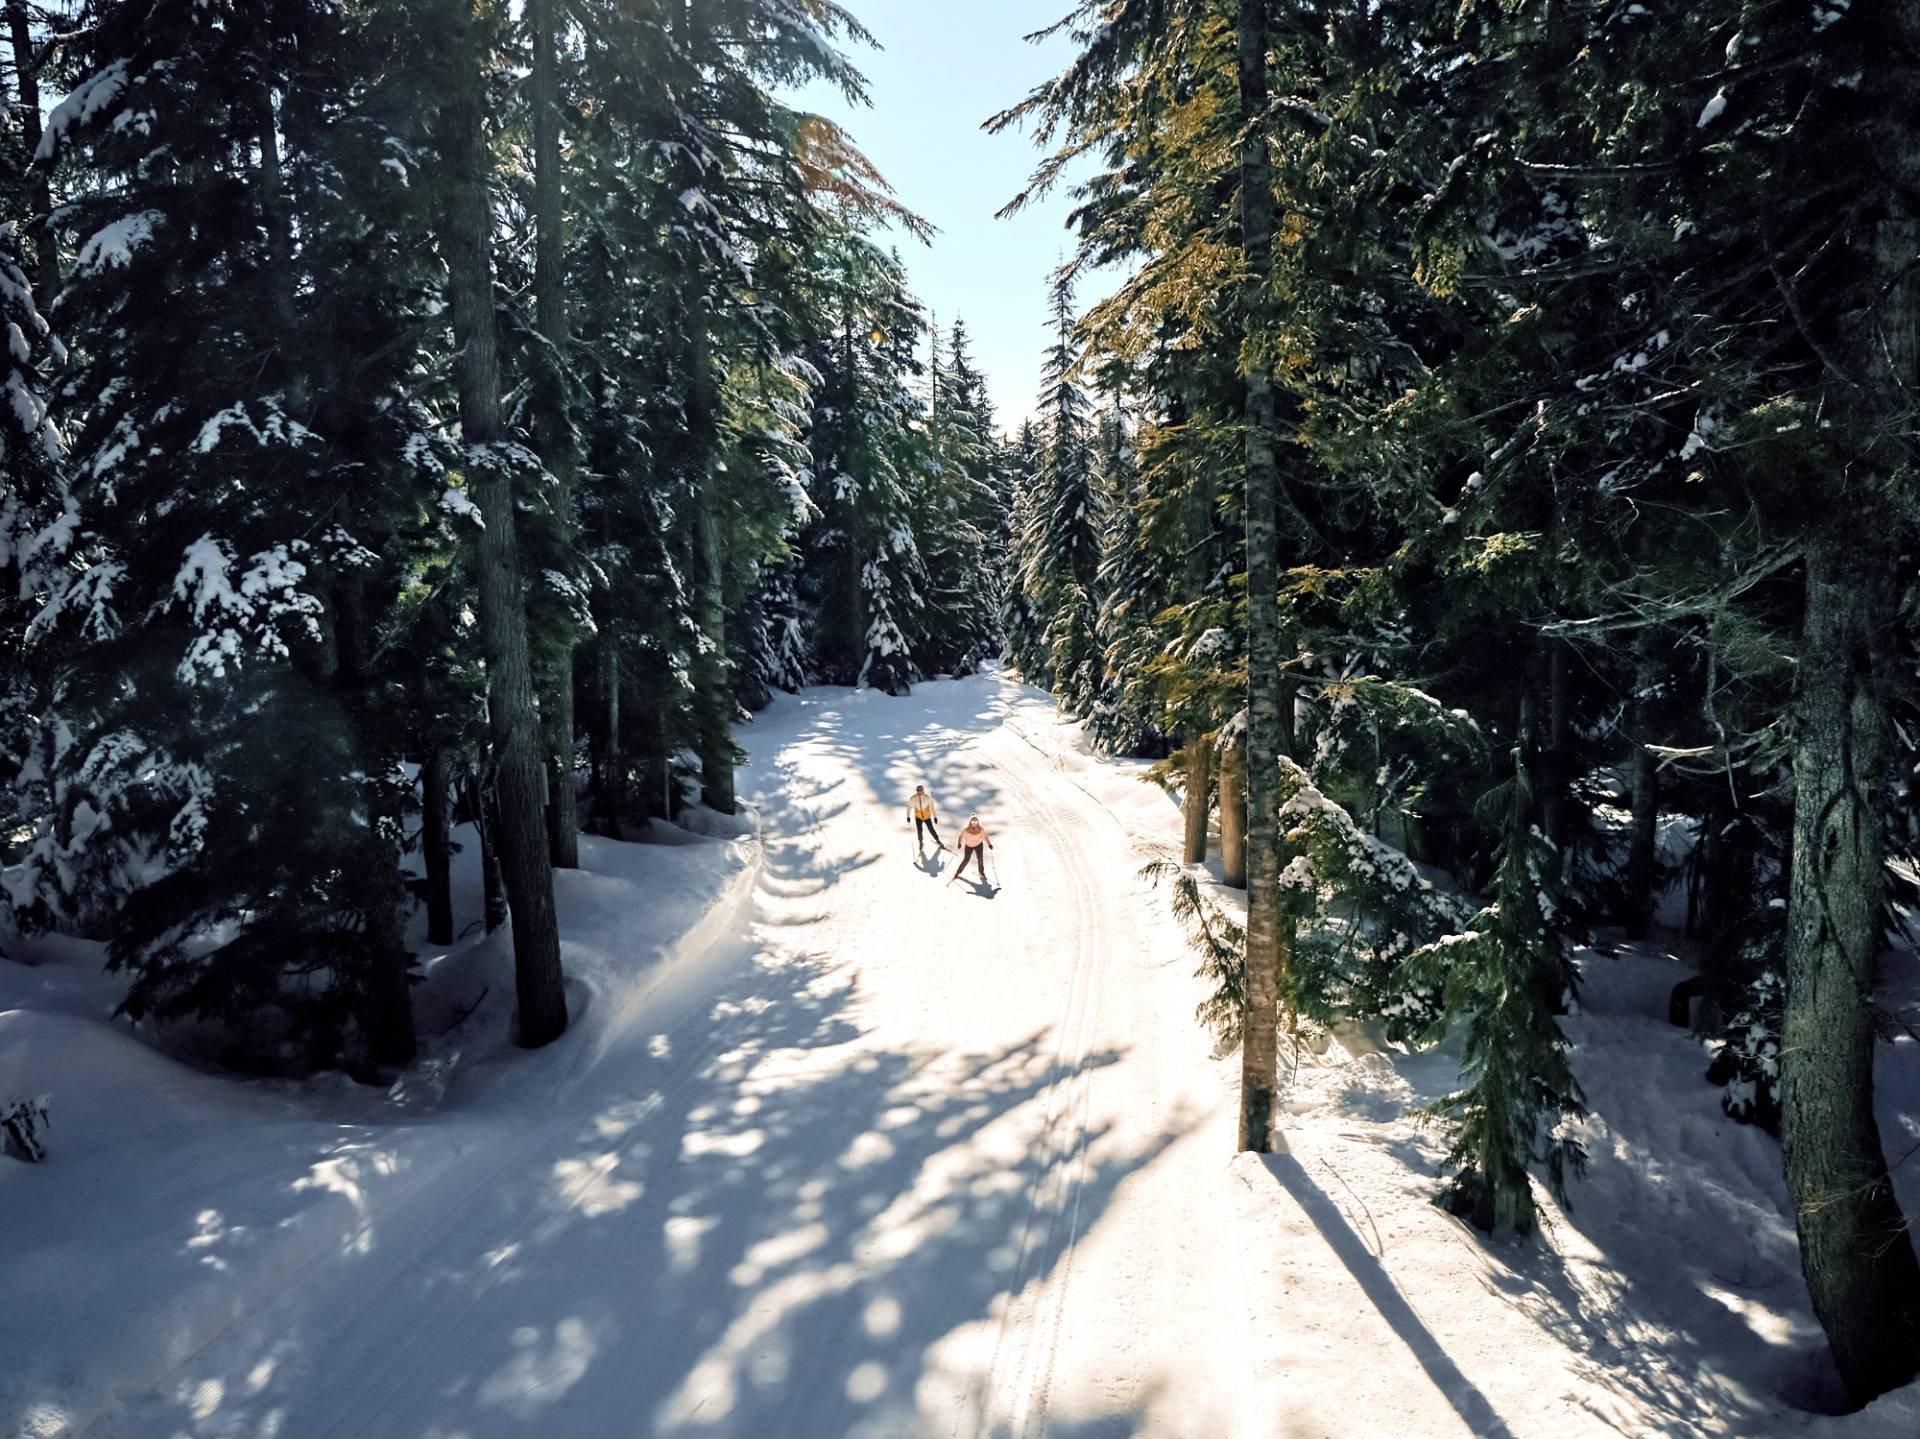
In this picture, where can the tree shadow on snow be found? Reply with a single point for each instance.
(895, 742)
(1473, 1407)
(776, 1233)
(1636, 1315)
(766, 1224)
(1664, 1323)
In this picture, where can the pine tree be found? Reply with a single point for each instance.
(252, 497)
(1019, 620)
(1066, 519)
(1509, 972)
(870, 454)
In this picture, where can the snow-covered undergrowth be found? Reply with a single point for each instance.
(178, 1203)
(838, 1150)
(1667, 1299)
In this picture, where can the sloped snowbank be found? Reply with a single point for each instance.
(1666, 1300)
(175, 1203)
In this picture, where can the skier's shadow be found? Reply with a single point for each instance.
(986, 888)
(930, 863)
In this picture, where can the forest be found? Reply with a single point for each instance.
(1474, 464)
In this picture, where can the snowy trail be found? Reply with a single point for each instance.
(837, 1150)
(921, 1160)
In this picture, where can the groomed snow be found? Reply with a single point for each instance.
(837, 1151)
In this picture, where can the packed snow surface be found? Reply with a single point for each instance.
(837, 1150)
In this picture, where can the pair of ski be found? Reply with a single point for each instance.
(920, 856)
(994, 880)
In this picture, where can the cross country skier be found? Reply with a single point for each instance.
(973, 842)
(920, 813)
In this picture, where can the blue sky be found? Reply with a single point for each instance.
(945, 66)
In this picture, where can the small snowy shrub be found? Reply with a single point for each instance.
(1360, 908)
(1357, 910)
(22, 1126)
(1746, 1065)
(1217, 939)
(1507, 976)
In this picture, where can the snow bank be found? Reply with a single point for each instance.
(1667, 1299)
(177, 1204)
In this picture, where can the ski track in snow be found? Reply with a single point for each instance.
(897, 1163)
(865, 1155)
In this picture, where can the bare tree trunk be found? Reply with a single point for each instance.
(1643, 833)
(553, 432)
(1854, 1247)
(713, 678)
(1260, 1042)
(513, 717)
(1193, 800)
(387, 1021)
(436, 845)
(1199, 569)
(610, 790)
(486, 823)
(1554, 763)
(1233, 817)
(712, 673)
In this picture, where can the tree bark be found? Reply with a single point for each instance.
(1553, 762)
(387, 1021)
(712, 674)
(436, 845)
(1233, 817)
(1193, 800)
(486, 823)
(467, 229)
(610, 789)
(1643, 832)
(713, 679)
(1260, 1042)
(1855, 1250)
(1854, 1247)
(553, 432)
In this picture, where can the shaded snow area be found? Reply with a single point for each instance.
(836, 1150)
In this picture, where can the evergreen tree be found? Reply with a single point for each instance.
(866, 572)
(1065, 524)
(1019, 620)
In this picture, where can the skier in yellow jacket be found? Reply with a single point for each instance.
(920, 815)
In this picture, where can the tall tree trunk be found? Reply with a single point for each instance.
(467, 231)
(1193, 799)
(1854, 1247)
(1643, 833)
(1233, 816)
(1855, 1251)
(387, 1021)
(610, 790)
(1260, 1042)
(1199, 569)
(46, 278)
(712, 675)
(436, 844)
(486, 824)
(1555, 764)
(553, 432)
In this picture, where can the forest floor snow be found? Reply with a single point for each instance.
(835, 1150)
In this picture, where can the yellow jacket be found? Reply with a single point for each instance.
(920, 807)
